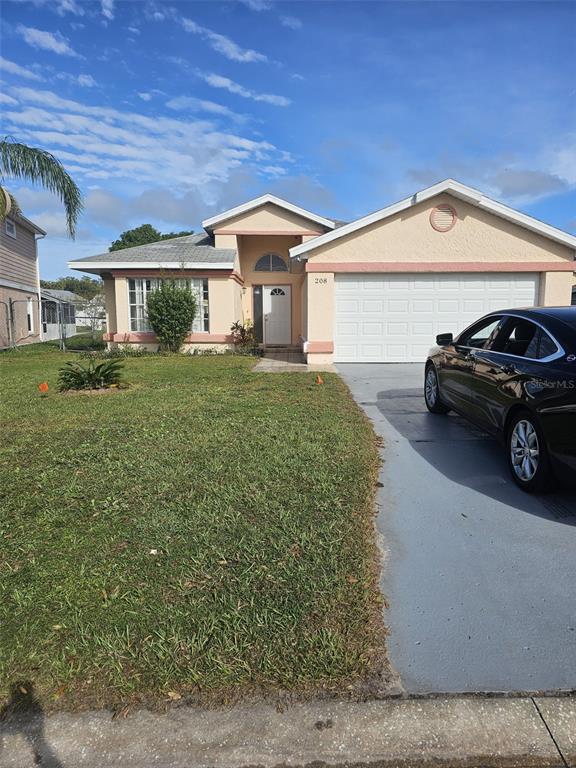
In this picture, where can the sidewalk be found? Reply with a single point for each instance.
(457, 732)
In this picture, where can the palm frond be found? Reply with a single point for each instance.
(40, 167)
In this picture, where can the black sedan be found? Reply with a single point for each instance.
(513, 374)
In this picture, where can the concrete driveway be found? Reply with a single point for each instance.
(480, 577)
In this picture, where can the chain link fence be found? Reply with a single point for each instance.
(70, 325)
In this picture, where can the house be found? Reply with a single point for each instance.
(376, 289)
(58, 313)
(19, 281)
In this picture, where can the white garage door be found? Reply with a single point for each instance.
(395, 318)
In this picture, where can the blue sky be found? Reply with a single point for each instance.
(168, 112)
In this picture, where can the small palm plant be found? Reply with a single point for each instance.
(92, 375)
(19, 161)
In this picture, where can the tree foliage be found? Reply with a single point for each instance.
(143, 235)
(85, 286)
(18, 161)
(171, 311)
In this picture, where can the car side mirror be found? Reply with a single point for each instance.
(443, 339)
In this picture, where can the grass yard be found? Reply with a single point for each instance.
(206, 533)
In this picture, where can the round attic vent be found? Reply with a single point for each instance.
(443, 217)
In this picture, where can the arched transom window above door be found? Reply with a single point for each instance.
(277, 292)
(271, 262)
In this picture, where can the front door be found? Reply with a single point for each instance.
(277, 314)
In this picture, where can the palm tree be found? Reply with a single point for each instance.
(39, 167)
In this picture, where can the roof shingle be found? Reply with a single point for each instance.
(189, 248)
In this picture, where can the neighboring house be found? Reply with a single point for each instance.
(376, 289)
(19, 281)
(58, 313)
(91, 313)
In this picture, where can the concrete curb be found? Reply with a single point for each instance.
(404, 733)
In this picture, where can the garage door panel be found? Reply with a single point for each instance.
(396, 319)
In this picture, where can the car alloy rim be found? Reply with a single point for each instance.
(524, 450)
(431, 389)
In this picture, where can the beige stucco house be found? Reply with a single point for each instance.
(20, 320)
(376, 289)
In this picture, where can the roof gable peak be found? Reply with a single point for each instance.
(258, 202)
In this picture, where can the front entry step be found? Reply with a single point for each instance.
(284, 354)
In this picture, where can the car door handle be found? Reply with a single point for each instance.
(508, 369)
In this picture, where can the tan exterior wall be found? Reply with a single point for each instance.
(269, 218)
(478, 236)
(18, 256)
(556, 289)
(222, 304)
(110, 302)
(252, 247)
(122, 307)
(19, 281)
(20, 317)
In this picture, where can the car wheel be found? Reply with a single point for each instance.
(527, 454)
(432, 392)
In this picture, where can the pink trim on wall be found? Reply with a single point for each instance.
(237, 277)
(275, 232)
(146, 337)
(320, 346)
(441, 266)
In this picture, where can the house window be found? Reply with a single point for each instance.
(270, 262)
(69, 314)
(49, 313)
(10, 228)
(139, 288)
(30, 315)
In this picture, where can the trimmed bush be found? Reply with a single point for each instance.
(171, 312)
(92, 375)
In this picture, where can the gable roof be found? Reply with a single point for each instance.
(210, 223)
(454, 188)
(195, 251)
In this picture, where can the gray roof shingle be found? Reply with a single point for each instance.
(190, 248)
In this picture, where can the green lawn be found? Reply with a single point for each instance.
(208, 532)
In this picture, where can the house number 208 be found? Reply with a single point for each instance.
(321, 280)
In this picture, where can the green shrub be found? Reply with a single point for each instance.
(244, 338)
(171, 312)
(91, 375)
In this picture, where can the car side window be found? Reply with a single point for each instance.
(481, 335)
(522, 338)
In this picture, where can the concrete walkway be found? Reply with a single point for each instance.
(451, 732)
(480, 577)
(288, 362)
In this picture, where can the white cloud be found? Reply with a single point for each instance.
(134, 30)
(191, 103)
(105, 143)
(86, 81)
(291, 22)
(257, 5)
(223, 44)
(217, 81)
(16, 69)
(5, 99)
(38, 38)
(145, 96)
(108, 9)
(69, 6)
